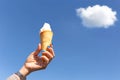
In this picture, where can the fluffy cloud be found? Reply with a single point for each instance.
(97, 16)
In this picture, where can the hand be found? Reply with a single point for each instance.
(35, 62)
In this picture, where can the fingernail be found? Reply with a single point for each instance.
(42, 51)
(48, 46)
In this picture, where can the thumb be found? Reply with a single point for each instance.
(37, 51)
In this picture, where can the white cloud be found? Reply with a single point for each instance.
(97, 16)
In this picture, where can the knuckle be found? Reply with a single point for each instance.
(44, 67)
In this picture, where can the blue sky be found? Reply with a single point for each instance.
(81, 53)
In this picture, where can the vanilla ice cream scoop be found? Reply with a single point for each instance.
(45, 27)
(46, 35)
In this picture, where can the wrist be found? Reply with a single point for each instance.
(24, 71)
(20, 76)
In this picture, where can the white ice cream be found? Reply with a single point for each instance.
(46, 26)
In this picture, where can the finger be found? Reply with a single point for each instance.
(44, 59)
(51, 45)
(50, 49)
(48, 55)
(37, 51)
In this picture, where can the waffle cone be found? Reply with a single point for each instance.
(46, 39)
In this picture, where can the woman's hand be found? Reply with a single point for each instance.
(35, 62)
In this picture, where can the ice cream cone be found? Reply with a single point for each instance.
(46, 39)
